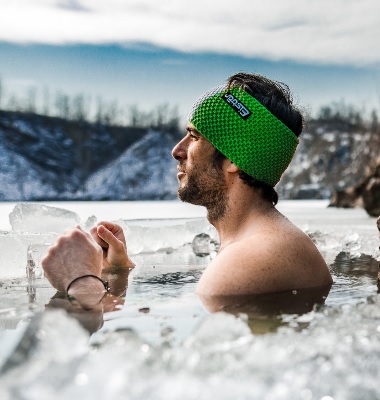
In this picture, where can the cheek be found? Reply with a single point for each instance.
(192, 155)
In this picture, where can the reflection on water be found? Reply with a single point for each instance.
(354, 279)
(167, 284)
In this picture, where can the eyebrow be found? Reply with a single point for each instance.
(188, 129)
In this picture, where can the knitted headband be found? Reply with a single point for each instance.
(242, 129)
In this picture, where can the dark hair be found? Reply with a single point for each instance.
(276, 97)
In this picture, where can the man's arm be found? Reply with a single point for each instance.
(74, 255)
(76, 265)
(76, 261)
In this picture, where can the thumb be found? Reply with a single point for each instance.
(108, 236)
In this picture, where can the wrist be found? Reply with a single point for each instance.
(87, 284)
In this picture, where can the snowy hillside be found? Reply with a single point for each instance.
(45, 158)
(146, 170)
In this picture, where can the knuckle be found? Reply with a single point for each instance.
(119, 246)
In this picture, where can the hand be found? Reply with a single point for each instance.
(112, 240)
(74, 254)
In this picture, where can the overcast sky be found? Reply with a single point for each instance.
(323, 31)
(298, 36)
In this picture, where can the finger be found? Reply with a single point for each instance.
(116, 229)
(111, 226)
(108, 236)
(98, 240)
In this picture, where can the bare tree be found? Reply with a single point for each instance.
(110, 113)
(46, 101)
(31, 100)
(14, 103)
(136, 117)
(79, 108)
(98, 112)
(62, 105)
(1, 93)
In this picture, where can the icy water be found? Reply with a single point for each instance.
(162, 342)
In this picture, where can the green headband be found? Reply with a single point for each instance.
(242, 129)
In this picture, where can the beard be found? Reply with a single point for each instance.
(206, 188)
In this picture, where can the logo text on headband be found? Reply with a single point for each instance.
(236, 105)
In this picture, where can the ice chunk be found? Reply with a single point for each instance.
(34, 255)
(145, 236)
(32, 217)
(201, 245)
(90, 222)
(49, 351)
(231, 331)
(14, 251)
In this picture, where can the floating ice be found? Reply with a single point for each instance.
(48, 351)
(353, 243)
(14, 251)
(34, 255)
(201, 245)
(335, 356)
(149, 236)
(31, 217)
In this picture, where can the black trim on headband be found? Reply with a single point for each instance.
(236, 105)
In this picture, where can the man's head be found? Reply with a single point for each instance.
(251, 121)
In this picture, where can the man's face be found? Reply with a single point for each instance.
(200, 182)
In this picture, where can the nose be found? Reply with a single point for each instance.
(179, 151)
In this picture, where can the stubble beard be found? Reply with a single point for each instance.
(207, 189)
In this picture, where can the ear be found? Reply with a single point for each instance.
(231, 167)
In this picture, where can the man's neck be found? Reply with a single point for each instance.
(246, 211)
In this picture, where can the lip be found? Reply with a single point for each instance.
(180, 169)
(180, 174)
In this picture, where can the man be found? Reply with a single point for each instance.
(240, 139)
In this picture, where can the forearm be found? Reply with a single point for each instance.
(89, 291)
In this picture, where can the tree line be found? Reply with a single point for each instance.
(84, 108)
(349, 114)
(81, 107)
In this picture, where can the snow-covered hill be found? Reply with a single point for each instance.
(45, 158)
(146, 170)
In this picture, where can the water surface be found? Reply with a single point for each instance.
(163, 342)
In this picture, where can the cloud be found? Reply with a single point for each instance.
(342, 32)
(73, 5)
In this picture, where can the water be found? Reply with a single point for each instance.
(163, 343)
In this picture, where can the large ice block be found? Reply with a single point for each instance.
(149, 236)
(40, 218)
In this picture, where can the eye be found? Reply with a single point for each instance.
(193, 134)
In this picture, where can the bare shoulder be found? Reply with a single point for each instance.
(270, 261)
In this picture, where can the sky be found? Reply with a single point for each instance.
(149, 52)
